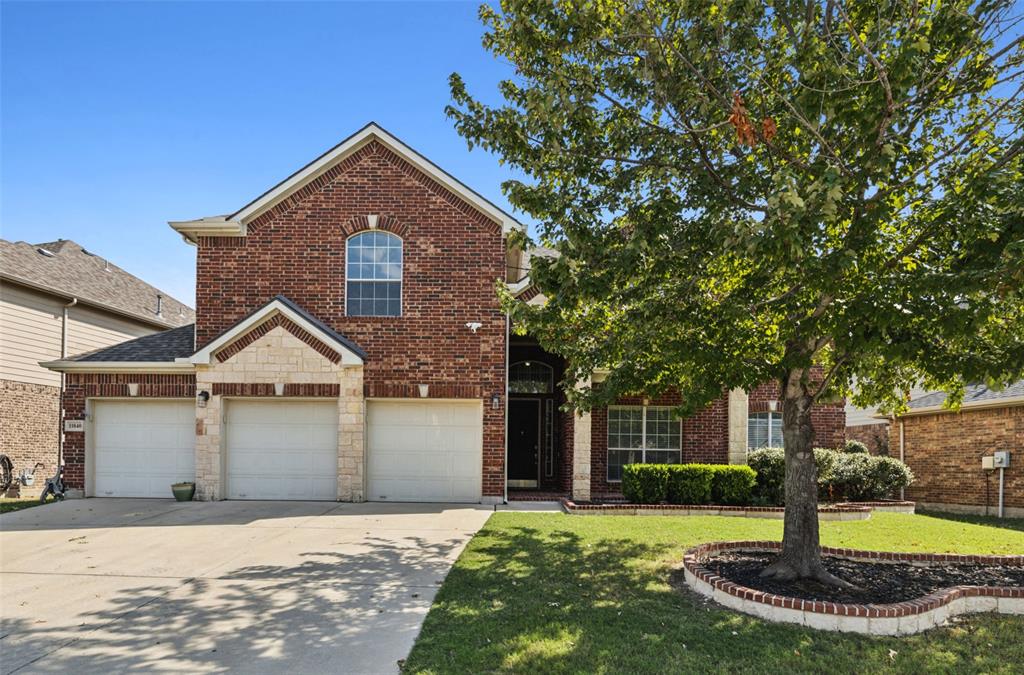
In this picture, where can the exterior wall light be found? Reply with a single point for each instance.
(202, 398)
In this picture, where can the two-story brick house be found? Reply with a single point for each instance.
(349, 345)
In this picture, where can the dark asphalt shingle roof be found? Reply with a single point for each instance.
(975, 393)
(165, 346)
(69, 270)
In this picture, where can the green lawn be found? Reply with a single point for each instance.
(547, 592)
(18, 503)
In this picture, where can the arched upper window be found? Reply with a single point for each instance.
(530, 377)
(373, 274)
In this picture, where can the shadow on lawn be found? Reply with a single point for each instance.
(990, 521)
(326, 613)
(522, 600)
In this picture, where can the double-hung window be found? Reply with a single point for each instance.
(642, 435)
(764, 430)
(373, 274)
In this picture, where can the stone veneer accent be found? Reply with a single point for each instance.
(901, 618)
(279, 357)
(581, 454)
(738, 402)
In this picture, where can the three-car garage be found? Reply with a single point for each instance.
(415, 450)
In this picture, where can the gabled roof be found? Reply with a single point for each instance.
(976, 396)
(65, 269)
(235, 224)
(351, 353)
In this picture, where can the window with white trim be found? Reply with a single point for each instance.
(642, 435)
(373, 274)
(764, 430)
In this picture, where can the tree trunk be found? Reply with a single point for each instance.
(801, 550)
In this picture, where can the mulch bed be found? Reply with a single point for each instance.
(879, 583)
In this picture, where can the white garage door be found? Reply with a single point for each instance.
(424, 451)
(141, 447)
(282, 449)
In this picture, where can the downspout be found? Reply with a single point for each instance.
(63, 382)
(903, 491)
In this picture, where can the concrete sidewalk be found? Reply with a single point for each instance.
(107, 585)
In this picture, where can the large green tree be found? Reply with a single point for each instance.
(819, 194)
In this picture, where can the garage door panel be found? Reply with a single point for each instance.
(426, 451)
(282, 449)
(139, 448)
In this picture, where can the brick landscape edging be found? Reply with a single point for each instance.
(832, 512)
(901, 618)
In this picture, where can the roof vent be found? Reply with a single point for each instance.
(159, 305)
(43, 251)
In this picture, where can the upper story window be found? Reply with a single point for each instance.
(373, 274)
(642, 435)
(764, 430)
(530, 377)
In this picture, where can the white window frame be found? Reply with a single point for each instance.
(774, 421)
(400, 281)
(643, 437)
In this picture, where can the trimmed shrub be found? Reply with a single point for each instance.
(645, 483)
(770, 465)
(689, 483)
(841, 476)
(888, 476)
(855, 448)
(732, 484)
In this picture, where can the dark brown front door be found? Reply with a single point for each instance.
(523, 441)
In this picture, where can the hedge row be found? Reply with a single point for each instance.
(842, 476)
(688, 484)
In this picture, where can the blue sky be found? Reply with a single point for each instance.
(120, 116)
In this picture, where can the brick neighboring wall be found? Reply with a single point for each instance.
(80, 386)
(875, 436)
(29, 427)
(453, 255)
(944, 451)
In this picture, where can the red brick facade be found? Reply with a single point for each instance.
(705, 435)
(944, 451)
(875, 436)
(453, 255)
(81, 386)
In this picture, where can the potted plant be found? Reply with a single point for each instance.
(183, 492)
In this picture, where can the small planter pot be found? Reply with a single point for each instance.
(183, 492)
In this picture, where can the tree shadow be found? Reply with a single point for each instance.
(989, 521)
(330, 612)
(549, 600)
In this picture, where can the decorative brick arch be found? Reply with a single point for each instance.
(273, 322)
(386, 223)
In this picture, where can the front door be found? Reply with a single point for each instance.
(523, 442)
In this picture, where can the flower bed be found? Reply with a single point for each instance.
(899, 618)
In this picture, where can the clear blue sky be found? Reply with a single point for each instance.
(120, 116)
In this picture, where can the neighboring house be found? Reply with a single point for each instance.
(944, 449)
(57, 298)
(349, 345)
(870, 428)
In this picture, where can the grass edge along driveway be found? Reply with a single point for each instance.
(553, 593)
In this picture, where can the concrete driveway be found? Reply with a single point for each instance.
(109, 585)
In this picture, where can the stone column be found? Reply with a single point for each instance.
(581, 454)
(738, 426)
(208, 452)
(351, 436)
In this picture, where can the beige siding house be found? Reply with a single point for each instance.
(57, 298)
